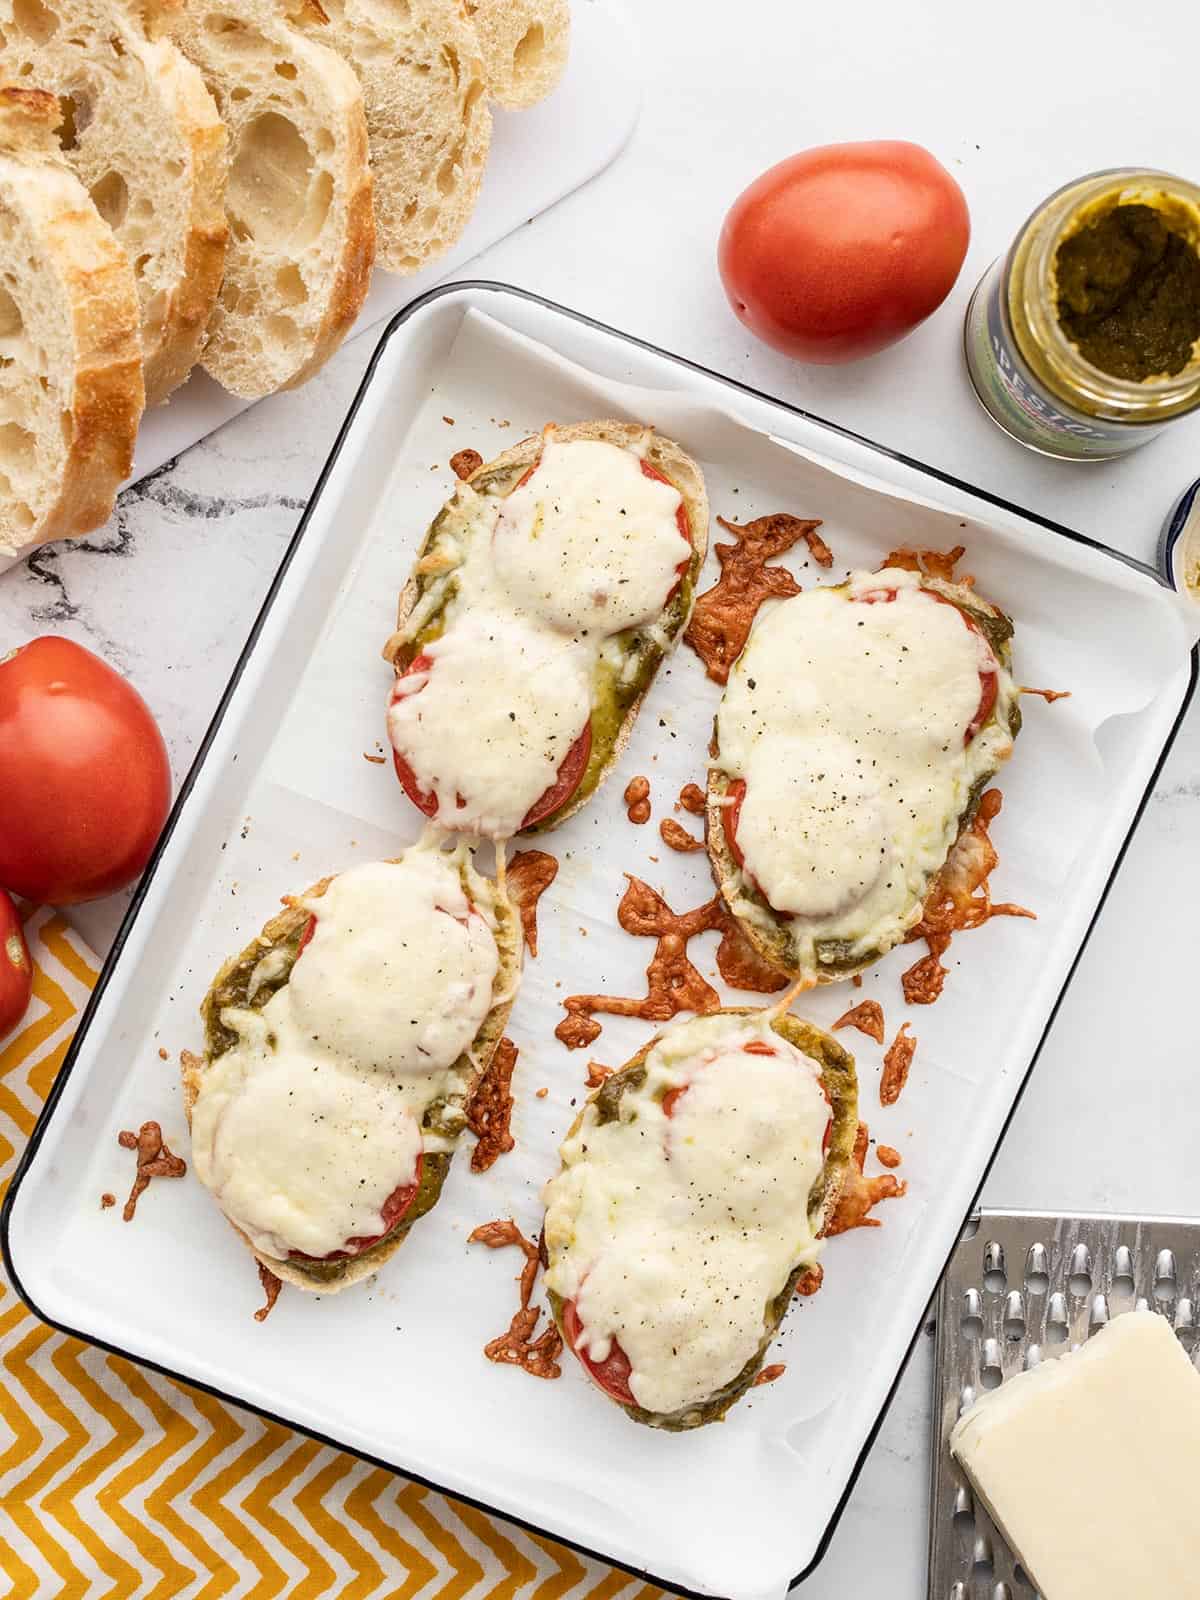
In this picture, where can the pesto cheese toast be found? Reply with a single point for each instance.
(858, 730)
(545, 596)
(340, 1047)
(695, 1187)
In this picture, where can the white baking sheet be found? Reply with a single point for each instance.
(285, 795)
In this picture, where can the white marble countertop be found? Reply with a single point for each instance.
(168, 591)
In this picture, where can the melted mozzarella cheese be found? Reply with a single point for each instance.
(302, 1153)
(589, 544)
(847, 722)
(400, 969)
(672, 1235)
(492, 720)
(306, 1126)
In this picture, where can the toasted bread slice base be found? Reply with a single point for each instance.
(143, 136)
(772, 939)
(282, 929)
(841, 1082)
(502, 475)
(71, 377)
(298, 197)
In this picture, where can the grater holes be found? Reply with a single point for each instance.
(1001, 1592)
(1185, 1316)
(971, 1321)
(1079, 1282)
(1021, 1578)
(991, 1374)
(1123, 1280)
(958, 1591)
(1014, 1318)
(1097, 1313)
(995, 1278)
(1037, 1271)
(1165, 1286)
(982, 1564)
(1056, 1320)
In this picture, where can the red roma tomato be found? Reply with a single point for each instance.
(840, 251)
(16, 969)
(84, 779)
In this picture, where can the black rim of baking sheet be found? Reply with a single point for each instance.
(469, 287)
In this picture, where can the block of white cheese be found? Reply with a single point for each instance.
(1088, 1465)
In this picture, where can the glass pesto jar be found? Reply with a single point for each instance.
(1034, 379)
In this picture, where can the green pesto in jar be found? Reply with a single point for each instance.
(1129, 292)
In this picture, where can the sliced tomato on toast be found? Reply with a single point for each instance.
(989, 677)
(395, 1208)
(611, 1374)
(754, 1047)
(570, 772)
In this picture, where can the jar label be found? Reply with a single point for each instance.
(1019, 402)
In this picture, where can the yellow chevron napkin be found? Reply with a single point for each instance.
(115, 1482)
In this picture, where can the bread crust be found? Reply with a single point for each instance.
(509, 467)
(282, 927)
(772, 943)
(84, 273)
(298, 193)
(207, 238)
(99, 58)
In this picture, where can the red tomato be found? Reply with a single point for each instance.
(570, 773)
(394, 1208)
(570, 776)
(681, 516)
(16, 969)
(840, 251)
(612, 1374)
(731, 815)
(83, 773)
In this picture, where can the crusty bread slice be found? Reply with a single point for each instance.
(839, 1077)
(428, 121)
(770, 932)
(524, 45)
(502, 475)
(71, 387)
(143, 135)
(302, 232)
(283, 929)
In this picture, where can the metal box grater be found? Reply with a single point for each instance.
(1023, 1288)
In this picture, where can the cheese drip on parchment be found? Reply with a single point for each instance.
(672, 1235)
(586, 548)
(846, 719)
(313, 1119)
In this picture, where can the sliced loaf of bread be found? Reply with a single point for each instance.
(524, 45)
(143, 135)
(427, 116)
(71, 390)
(302, 232)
